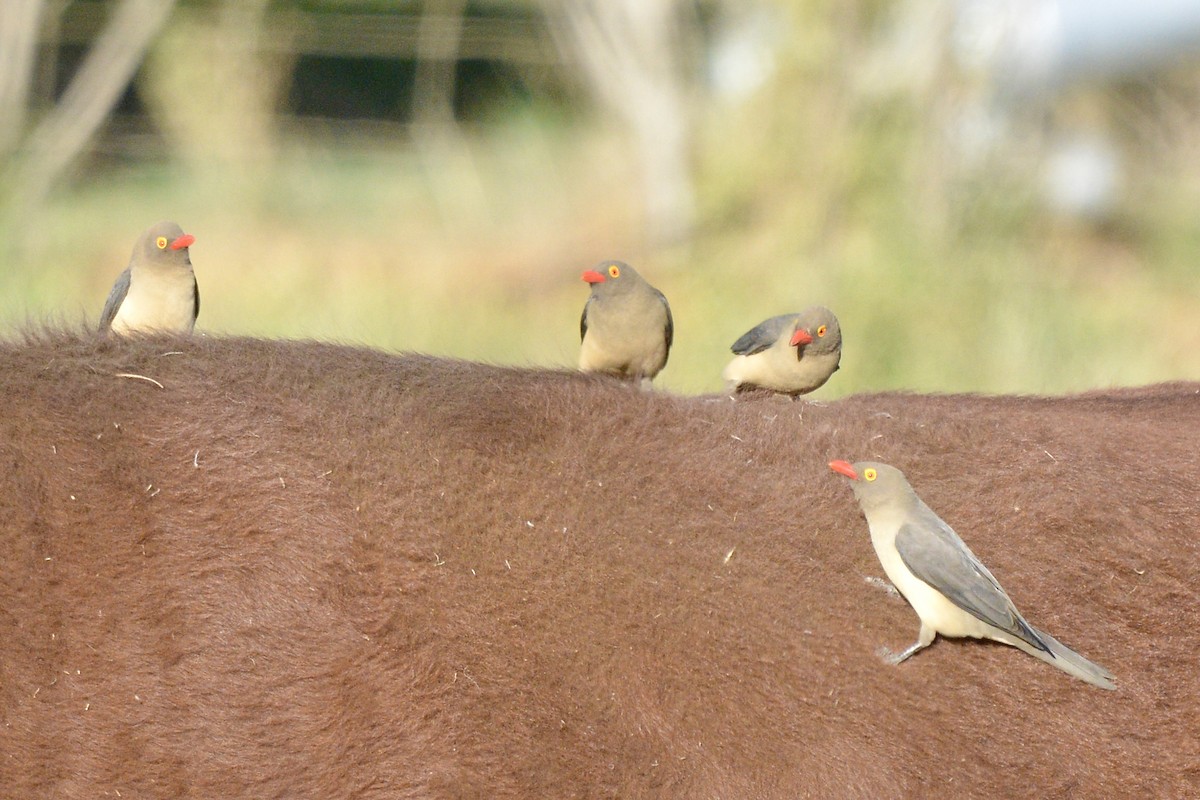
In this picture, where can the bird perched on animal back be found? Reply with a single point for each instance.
(157, 292)
(790, 354)
(626, 328)
(952, 592)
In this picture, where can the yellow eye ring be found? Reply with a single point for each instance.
(614, 271)
(161, 242)
(821, 331)
(870, 474)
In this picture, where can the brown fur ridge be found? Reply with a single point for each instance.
(304, 570)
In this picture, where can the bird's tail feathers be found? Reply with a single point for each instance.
(1068, 661)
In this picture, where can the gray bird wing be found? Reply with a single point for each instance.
(933, 552)
(583, 325)
(762, 335)
(669, 333)
(196, 294)
(115, 298)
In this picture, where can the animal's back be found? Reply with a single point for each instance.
(301, 569)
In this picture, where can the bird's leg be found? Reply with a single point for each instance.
(880, 583)
(924, 639)
(896, 658)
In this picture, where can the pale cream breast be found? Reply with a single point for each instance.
(158, 301)
(631, 340)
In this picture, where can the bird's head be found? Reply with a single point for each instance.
(165, 243)
(817, 331)
(874, 483)
(610, 276)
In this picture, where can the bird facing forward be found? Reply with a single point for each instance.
(157, 292)
(626, 328)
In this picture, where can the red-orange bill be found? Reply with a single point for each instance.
(843, 468)
(801, 336)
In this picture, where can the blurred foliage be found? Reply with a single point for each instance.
(826, 185)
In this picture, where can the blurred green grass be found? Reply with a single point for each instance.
(805, 197)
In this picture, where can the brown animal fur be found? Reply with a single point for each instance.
(303, 570)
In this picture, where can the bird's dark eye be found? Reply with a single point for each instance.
(614, 271)
(870, 474)
(821, 331)
(161, 242)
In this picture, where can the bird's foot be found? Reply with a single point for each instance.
(891, 656)
(880, 583)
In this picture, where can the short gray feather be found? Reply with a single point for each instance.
(670, 330)
(583, 323)
(762, 335)
(117, 296)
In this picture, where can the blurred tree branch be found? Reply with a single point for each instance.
(34, 160)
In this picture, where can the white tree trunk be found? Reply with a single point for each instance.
(20, 23)
(65, 132)
(632, 53)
